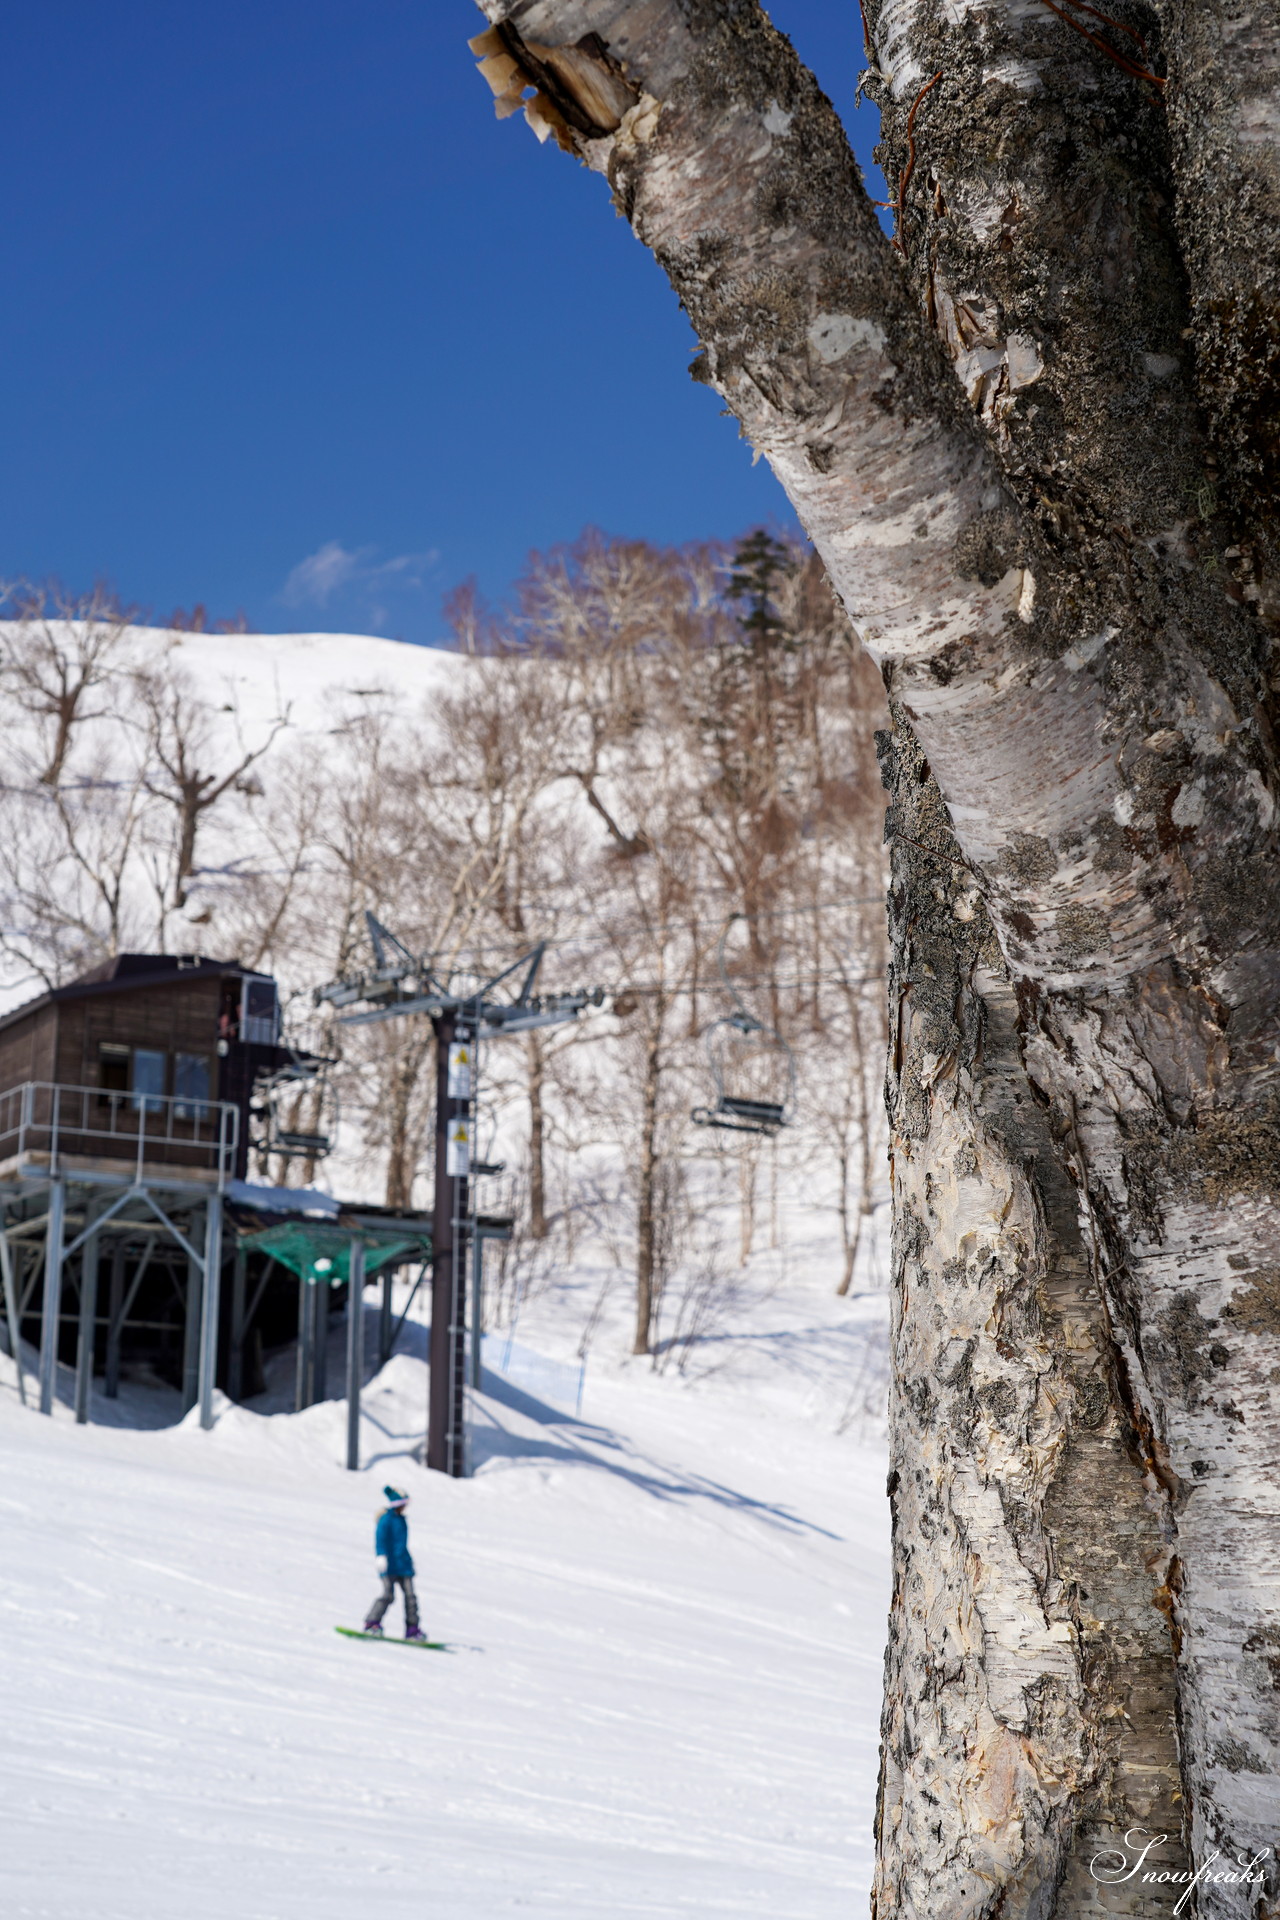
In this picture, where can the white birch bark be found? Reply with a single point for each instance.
(1029, 1714)
(1090, 694)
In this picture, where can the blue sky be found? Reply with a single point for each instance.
(294, 326)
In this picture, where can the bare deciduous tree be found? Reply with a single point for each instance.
(716, 721)
(68, 869)
(85, 838)
(60, 650)
(180, 742)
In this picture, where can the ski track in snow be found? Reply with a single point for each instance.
(668, 1623)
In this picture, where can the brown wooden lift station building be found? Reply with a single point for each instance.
(127, 1101)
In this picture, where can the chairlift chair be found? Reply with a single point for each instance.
(758, 1053)
(753, 1069)
(273, 1092)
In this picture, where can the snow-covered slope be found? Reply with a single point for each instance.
(667, 1621)
(268, 674)
(216, 699)
(667, 1615)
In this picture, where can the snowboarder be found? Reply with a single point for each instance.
(391, 1544)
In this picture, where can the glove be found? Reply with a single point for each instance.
(382, 1565)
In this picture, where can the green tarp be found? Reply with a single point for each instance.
(322, 1253)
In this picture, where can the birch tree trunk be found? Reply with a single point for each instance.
(648, 1169)
(992, 431)
(1030, 1708)
(537, 1138)
(403, 1117)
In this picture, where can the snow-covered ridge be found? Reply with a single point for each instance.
(268, 674)
(228, 695)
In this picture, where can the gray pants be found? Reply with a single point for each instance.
(389, 1584)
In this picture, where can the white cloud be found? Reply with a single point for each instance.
(321, 574)
(333, 567)
(407, 569)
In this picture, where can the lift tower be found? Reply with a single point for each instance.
(403, 984)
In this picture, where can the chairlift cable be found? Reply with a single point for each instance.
(764, 980)
(677, 926)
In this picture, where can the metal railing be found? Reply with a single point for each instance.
(44, 1117)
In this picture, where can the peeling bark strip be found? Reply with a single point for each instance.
(576, 90)
(994, 443)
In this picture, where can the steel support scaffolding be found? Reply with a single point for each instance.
(121, 1167)
(320, 1351)
(88, 1326)
(191, 1337)
(39, 1251)
(13, 1320)
(242, 1314)
(121, 1301)
(384, 1317)
(115, 1317)
(239, 1323)
(355, 1353)
(55, 1231)
(312, 1376)
(304, 1378)
(210, 1302)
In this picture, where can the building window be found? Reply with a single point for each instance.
(191, 1085)
(113, 1068)
(147, 1080)
(260, 1021)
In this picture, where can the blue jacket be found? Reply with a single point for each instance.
(391, 1543)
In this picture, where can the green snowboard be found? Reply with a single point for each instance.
(392, 1640)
